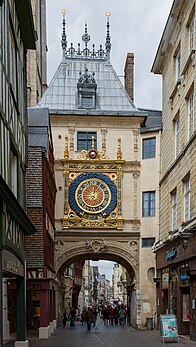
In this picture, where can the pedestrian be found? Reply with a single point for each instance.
(111, 314)
(122, 315)
(89, 316)
(72, 316)
(64, 318)
(105, 314)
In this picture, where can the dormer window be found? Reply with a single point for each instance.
(86, 90)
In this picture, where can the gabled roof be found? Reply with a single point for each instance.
(110, 96)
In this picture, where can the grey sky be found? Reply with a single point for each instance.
(135, 25)
(105, 267)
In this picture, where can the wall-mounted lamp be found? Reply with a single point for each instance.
(185, 239)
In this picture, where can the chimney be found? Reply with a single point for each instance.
(129, 75)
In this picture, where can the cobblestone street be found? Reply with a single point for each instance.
(103, 336)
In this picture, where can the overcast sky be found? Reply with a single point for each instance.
(135, 25)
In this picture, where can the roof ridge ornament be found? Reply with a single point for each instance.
(64, 36)
(86, 53)
(108, 41)
(86, 38)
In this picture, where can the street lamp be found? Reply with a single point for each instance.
(185, 239)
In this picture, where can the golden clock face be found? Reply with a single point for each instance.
(93, 195)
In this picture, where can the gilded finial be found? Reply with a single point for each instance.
(108, 39)
(64, 36)
(119, 152)
(93, 142)
(66, 152)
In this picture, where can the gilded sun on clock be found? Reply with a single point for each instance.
(93, 195)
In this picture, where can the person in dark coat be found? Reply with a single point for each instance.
(64, 319)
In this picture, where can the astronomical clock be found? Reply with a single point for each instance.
(92, 190)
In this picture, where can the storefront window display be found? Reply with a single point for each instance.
(33, 309)
(173, 292)
(186, 307)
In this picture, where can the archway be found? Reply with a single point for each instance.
(121, 247)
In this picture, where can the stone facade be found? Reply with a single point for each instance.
(94, 101)
(175, 60)
(37, 59)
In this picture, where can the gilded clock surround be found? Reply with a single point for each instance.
(92, 190)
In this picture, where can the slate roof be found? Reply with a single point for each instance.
(153, 121)
(39, 131)
(111, 95)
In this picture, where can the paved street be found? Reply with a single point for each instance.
(102, 336)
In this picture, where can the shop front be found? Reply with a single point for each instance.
(176, 283)
(14, 225)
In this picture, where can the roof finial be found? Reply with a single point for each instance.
(86, 39)
(64, 36)
(119, 152)
(93, 142)
(66, 151)
(108, 43)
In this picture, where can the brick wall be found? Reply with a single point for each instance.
(129, 75)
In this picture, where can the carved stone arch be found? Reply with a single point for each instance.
(120, 251)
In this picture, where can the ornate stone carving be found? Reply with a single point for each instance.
(103, 133)
(59, 245)
(84, 155)
(71, 141)
(96, 246)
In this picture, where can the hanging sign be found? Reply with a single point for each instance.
(171, 254)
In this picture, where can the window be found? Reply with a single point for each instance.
(149, 148)
(87, 101)
(13, 172)
(177, 65)
(148, 204)
(190, 115)
(174, 210)
(87, 87)
(191, 34)
(187, 199)
(148, 242)
(84, 140)
(177, 136)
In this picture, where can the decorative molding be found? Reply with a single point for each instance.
(71, 141)
(103, 133)
(96, 246)
(84, 155)
(135, 143)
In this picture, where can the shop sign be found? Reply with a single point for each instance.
(171, 254)
(78, 281)
(11, 264)
(184, 277)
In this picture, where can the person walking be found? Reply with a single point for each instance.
(64, 318)
(89, 316)
(72, 316)
(122, 315)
